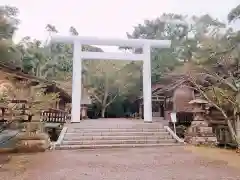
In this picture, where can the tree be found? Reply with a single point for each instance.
(51, 61)
(73, 31)
(234, 14)
(8, 21)
(158, 29)
(34, 57)
(8, 26)
(106, 80)
(218, 58)
(184, 32)
(51, 28)
(60, 55)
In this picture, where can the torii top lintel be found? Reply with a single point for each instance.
(112, 42)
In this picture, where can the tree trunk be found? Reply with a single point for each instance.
(230, 126)
(238, 131)
(103, 112)
(104, 102)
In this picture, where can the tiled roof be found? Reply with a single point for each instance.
(67, 86)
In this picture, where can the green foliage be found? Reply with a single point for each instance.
(36, 97)
(40, 100)
(8, 25)
(106, 80)
(218, 58)
(222, 97)
(116, 108)
(234, 14)
(73, 31)
(8, 21)
(185, 34)
(162, 60)
(3, 97)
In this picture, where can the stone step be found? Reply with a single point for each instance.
(77, 130)
(80, 138)
(116, 126)
(114, 141)
(78, 134)
(67, 147)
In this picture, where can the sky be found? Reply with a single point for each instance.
(105, 18)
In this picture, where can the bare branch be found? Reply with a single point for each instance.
(220, 79)
(111, 100)
(214, 92)
(96, 97)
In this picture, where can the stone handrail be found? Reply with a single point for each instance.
(61, 136)
(173, 134)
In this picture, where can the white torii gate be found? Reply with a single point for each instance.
(79, 55)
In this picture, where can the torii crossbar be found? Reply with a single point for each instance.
(79, 55)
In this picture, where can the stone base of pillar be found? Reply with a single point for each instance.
(84, 117)
(84, 112)
(200, 134)
(147, 121)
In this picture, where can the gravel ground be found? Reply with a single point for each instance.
(165, 163)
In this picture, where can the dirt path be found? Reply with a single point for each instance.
(167, 163)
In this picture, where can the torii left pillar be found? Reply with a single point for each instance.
(76, 83)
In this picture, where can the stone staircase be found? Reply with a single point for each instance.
(78, 136)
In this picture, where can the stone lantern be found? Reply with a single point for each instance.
(199, 132)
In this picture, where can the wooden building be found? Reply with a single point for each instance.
(9, 75)
(172, 95)
(176, 97)
(85, 100)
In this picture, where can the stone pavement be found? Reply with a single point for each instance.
(164, 163)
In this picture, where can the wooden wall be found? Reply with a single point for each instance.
(181, 98)
(8, 85)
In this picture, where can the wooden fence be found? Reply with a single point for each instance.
(54, 116)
